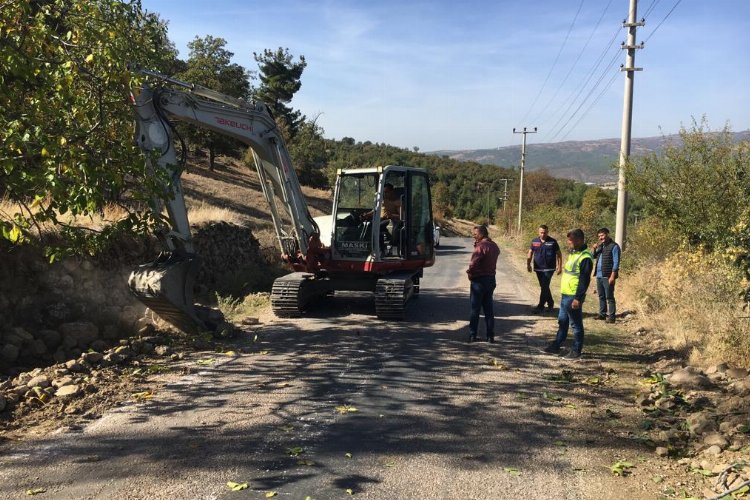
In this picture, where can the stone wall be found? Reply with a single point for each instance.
(51, 313)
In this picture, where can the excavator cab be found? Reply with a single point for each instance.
(382, 215)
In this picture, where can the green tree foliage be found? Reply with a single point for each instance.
(697, 185)
(66, 145)
(309, 155)
(280, 79)
(210, 65)
(597, 210)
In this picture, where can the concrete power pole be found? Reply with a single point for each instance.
(627, 117)
(523, 162)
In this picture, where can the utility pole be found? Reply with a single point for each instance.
(627, 117)
(523, 162)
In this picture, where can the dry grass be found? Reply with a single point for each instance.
(692, 300)
(203, 213)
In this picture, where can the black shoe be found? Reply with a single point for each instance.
(538, 309)
(552, 349)
(472, 338)
(550, 309)
(572, 355)
(609, 320)
(491, 340)
(601, 318)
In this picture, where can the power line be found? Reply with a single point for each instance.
(654, 3)
(609, 66)
(582, 87)
(593, 103)
(662, 21)
(570, 28)
(572, 67)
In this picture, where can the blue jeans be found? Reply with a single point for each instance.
(481, 298)
(569, 317)
(606, 298)
(545, 296)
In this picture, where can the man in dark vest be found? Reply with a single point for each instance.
(547, 258)
(607, 255)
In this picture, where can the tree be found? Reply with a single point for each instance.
(280, 80)
(66, 145)
(309, 155)
(210, 65)
(696, 185)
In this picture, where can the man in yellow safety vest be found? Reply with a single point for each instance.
(575, 280)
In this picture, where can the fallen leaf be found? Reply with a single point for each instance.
(346, 409)
(270, 494)
(207, 361)
(621, 468)
(350, 491)
(230, 353)
(35, 491)
(305, 462)
(296, 451)
(571, 406)
(287, 428)
(262, 353)
(595, 380)
(142, 395)
(551, 397)
(512, 471)
(236, 486)
(657, 479)
(390, 464)
(559, 443)
(348, 455)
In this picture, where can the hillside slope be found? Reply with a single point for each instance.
(586, 161)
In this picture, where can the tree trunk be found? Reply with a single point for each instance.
(211, 157)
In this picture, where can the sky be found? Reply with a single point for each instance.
(447, 75)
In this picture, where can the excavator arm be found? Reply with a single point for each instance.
(166, 284)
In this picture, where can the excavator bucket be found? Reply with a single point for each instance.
(166, 287)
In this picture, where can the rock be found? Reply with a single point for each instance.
(742, 387)
(689, 378)
(98, 346)
(22, 379)
(75, 366)
(720, 368)
(62, 382)
(737, 373)
(162, 350)
(68, 391)
(712, 450)
(113, 358)
(147, 348)
(700, 423)
(38, 381)
(38, 348)
(110, 332)
(51, 338)
(18, 337)
(715, 439)
(9, 353)
(661, 451)
(92, 358)
(81, 332)
(717, 377)
(60, 356)
(146, 330)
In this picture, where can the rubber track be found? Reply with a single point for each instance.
(287, 295)
(391, 296)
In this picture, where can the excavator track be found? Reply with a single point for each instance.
(291, 294)
(391, 296)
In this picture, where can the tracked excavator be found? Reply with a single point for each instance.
(378, 239)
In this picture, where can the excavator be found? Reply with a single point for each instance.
(378, 239)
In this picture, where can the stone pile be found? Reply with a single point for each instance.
(693, 413)
(66, 381)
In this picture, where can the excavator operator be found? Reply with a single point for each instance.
(390, 212)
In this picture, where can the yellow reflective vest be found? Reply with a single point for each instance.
(572, 271)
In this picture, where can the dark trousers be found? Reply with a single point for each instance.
(567, 318)
(481, 298)
(545, 296)
(606, 292)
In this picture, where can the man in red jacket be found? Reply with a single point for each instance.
(482, 276)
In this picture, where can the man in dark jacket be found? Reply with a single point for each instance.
(575, 280)
(545, 252)
(607, 254)
(482, 276)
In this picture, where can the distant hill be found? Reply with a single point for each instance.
(586, 161)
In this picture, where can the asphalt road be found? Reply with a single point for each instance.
(435, 417)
